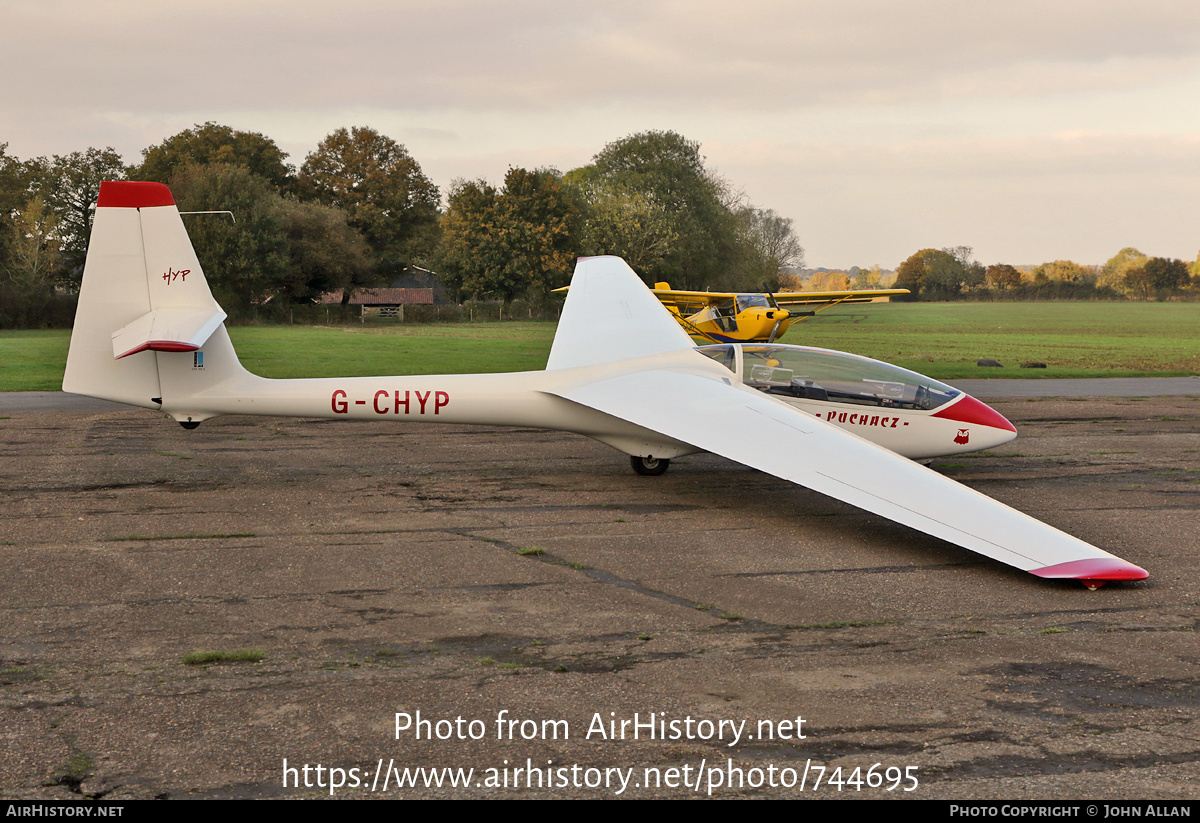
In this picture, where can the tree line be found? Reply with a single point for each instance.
(954, 274)
(359, 210)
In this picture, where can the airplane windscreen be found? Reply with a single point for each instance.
(821, 374)
(745, 301)
(723, 314)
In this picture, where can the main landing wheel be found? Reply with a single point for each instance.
(649, 466)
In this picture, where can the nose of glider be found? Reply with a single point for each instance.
(986, 426)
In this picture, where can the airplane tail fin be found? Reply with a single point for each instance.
(146, 315)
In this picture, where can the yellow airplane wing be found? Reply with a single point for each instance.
(822, 299)
(808, 298)
(675, 298)
(690, 301)
(697, 299)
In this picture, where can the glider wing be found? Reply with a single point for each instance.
(744, 425)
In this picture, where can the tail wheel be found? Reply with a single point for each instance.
(649, 466)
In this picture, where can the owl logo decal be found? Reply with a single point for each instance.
(963, 436)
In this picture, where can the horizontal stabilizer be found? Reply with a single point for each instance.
(168, 329)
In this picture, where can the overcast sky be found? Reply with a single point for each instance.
(1031, 131)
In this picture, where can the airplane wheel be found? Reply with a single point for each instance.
(649, 466)
(189, 424)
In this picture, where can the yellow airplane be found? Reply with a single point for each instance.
(729, 317)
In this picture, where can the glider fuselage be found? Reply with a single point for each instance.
(879, 402)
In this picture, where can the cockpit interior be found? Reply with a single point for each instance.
(830, 376)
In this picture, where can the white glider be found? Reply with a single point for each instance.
(148, 333)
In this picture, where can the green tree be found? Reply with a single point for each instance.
(471, 254)
(668, 170)
(1065, 271)
(1003, 277)
(871, 278)
(273, 246)
(244, 261)
(14, 182)
(1113, 275)
(27, 274)
(830, 281)
(541, 220)
(14, 193)
(972, 273)
(1166, 274)
(943, 275)
(1136, 281)
(381, 188)
(625, 222)
(324, 253)
(214, 143)
(939, 274)
(519, 240)
(769, 247)
(70, 185)
(1125, 258)
(911, 275)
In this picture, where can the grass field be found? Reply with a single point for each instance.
(942, 340)
(352, 351)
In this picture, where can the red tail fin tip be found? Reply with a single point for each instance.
(130, 195)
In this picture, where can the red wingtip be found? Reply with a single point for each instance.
(1096, 568)
(129, 195)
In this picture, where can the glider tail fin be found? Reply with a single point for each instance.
(145, 314)
(634, 323)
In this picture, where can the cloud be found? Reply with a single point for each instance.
(534, 55)
(876, 125)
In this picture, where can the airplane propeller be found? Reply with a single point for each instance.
(775, 305)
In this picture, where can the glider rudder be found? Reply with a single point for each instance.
(143, 292)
